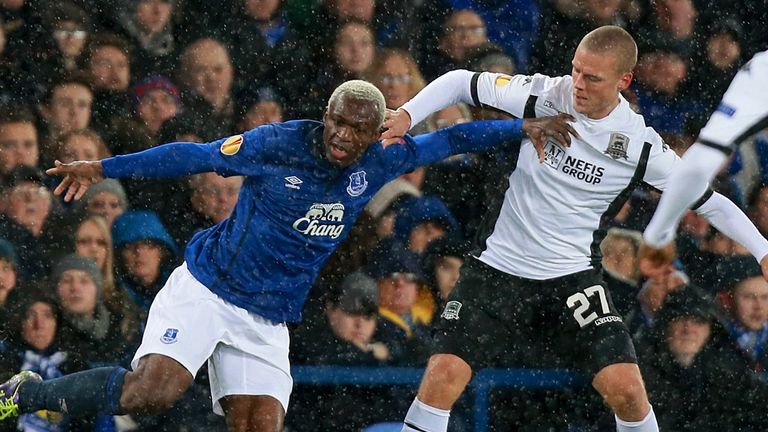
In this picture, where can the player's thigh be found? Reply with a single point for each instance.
(186, 322)
(253, 413)
(254, 363)
(591, 332)
(479, 313)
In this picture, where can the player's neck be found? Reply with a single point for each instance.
(604, 112)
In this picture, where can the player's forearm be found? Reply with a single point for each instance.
(687, 184)
(166, 161)
(449, 89)
(467, 138)
(726, 216)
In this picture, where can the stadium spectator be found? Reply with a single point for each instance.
(661, 72)
(207, 76)
(107, 59)
(19, 145)
(88, 327)
(68, 106)
(621, 269)
(35, 344)
(83, 144)
(212, 200)
(396, 74)
(259, 106)
(153, 43)
(463, 29)
(108, 200)
(145, 254)
(70, 26)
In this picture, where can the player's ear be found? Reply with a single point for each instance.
(625, 81)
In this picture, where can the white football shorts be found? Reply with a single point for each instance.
(246, 354)
(744, 108)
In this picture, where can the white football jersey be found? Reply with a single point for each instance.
(744, 107)
(553, 215)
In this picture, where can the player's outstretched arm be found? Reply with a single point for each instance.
(78, 176)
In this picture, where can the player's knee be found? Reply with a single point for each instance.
(143, 395)
(627, 395)
(449, 369)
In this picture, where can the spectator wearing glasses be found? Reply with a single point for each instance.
(463, 29)
(396, 74)
(106, 199)
(211, 201)
(70, 27)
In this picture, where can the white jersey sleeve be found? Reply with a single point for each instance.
(662, 161)
(505, 93)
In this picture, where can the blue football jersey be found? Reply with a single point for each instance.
(294, 207)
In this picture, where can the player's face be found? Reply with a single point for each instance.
(597, 83)
(350, 127)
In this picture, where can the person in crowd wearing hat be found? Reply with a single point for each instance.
(347, 334)
(70, 27)
(35, 344)
(693, 389)
(256, 107)
(106, 199)
(88, 327)
(441, 263)
(746, 299)
(145, 254)
(157, 100)
(307, 182)
(406, 303)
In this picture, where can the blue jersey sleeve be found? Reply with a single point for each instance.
(241, 154)
(165, 161)
(465, 138)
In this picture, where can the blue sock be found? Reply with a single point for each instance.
(95, 391)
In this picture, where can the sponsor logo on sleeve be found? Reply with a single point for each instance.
(503, 80)
(231, 145)
(726, 109)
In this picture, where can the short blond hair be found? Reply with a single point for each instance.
(615, 40)
(362, 91)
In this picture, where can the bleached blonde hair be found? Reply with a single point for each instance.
(362, 91)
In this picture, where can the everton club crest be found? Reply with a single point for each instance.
(357, 183)
(617, 147)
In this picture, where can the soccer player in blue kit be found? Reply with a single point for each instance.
(244, 278)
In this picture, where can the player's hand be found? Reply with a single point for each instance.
(396, 124)
(556, 128)
(656, 263)
(78, 176)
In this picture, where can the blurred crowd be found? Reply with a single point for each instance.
(87, 79)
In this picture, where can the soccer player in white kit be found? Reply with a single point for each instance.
(742, 112)
(537, 268)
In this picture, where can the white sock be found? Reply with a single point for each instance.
(648, 424)
(424, 418)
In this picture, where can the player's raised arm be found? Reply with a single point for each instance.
(165, 161)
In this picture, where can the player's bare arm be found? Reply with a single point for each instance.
(78, 176)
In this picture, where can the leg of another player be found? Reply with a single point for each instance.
(621, 385)
(253, 413)
(444, 380)
(155, 385)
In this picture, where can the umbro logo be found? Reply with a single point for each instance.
(293, 182)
